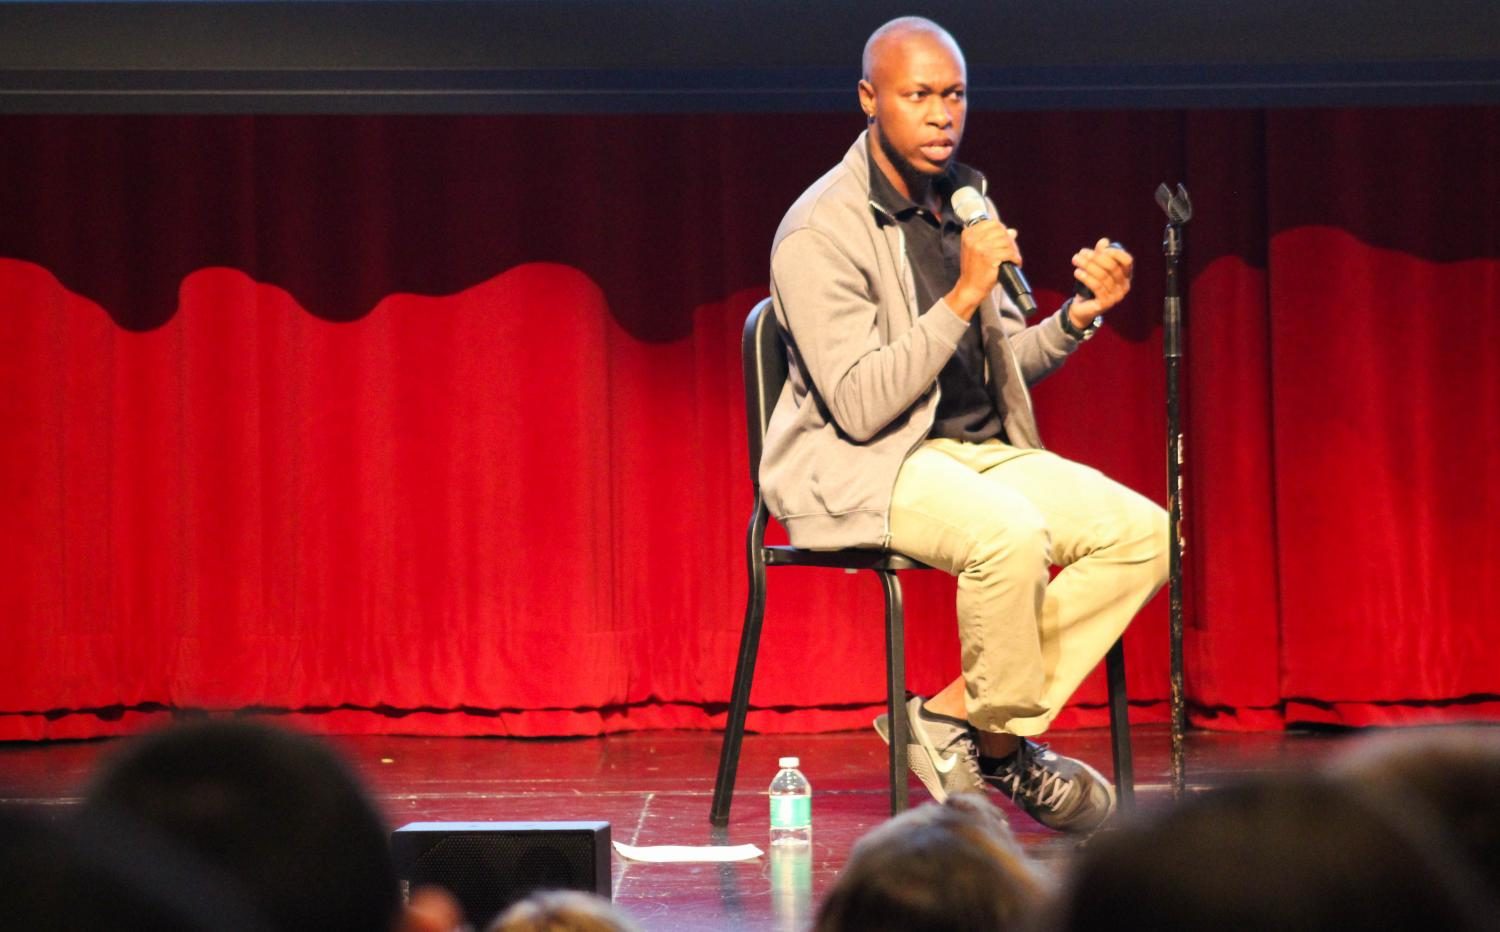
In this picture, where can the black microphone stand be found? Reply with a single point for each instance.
(1179, 210)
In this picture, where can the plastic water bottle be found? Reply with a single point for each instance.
(791, 805)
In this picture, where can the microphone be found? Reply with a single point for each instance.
(1084, 291)
(969, 205)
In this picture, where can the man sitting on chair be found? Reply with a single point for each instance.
(906, 424)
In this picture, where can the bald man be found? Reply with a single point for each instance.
(906, 424)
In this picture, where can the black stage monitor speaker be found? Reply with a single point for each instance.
(490, 865)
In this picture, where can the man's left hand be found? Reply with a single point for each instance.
(1106, 271)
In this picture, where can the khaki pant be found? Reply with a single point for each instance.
(998, 517)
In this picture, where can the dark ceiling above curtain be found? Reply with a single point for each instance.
(693, 56)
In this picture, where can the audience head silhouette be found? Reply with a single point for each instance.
(1292, 853)
(1449, 775)
(562, 911)
(277, 811)
(111, 875)
(954, 866)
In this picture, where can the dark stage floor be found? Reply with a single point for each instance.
(655, 789)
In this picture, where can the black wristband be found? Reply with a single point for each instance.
(1068, 327)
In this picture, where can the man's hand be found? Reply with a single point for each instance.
(981, 250)
(1106, 272)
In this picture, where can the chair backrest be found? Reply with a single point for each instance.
(764, 357)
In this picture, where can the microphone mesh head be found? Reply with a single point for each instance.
(969, 205)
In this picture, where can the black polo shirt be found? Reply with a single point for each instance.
(965, 410)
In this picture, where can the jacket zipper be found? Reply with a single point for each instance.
(914, 312)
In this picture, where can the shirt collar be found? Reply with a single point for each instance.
(894, 205)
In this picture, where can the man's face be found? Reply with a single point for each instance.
(916, 93)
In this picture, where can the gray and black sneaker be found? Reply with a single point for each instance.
(1059, 792)
(942, 752)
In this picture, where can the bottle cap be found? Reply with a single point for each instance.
(790, 762)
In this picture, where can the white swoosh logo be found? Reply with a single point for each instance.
(946, 762)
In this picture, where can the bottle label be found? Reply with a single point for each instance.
(791, 811)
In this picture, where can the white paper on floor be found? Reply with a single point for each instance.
(666, 854)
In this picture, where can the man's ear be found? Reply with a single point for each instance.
(867, 100)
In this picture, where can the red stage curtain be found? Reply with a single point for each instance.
(434, 424)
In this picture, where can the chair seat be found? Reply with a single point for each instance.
(849, 559)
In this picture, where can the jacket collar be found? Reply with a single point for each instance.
(858, 161)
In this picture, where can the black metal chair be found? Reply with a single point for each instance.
(765, 366)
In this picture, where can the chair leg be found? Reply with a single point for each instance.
(1119, 727)
(895, 674)
(739, 700)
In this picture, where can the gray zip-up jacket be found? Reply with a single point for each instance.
(862, 389)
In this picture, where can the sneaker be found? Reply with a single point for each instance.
(1059, 792)
(942, 752)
